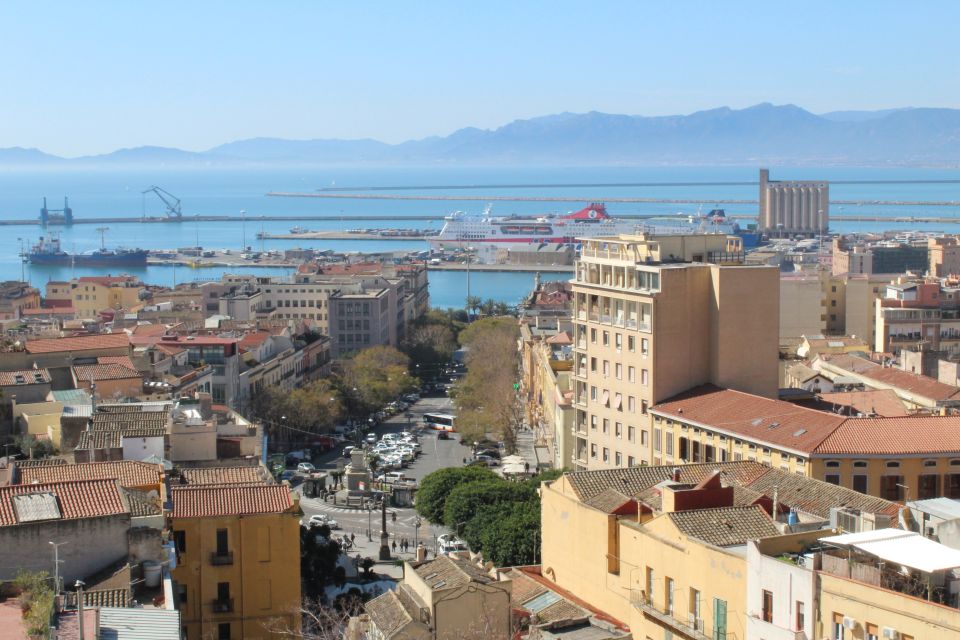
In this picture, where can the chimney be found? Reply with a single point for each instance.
(675, 475)
(421, 552)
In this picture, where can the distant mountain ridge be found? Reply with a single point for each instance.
(761, 134)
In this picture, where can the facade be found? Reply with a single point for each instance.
(821, 303)
(654, 317)
(923, 314)
(944, 257)
(547, 385)
(90, 295)
(238, 566)
(17, 297)
(794, 206)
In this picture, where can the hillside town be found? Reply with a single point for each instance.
(685, 440)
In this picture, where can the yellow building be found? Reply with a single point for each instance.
(893, 458)
(238, 564)
(654, 316)
(89, 295)
(692, 552)
(821, 303)
(547, 386)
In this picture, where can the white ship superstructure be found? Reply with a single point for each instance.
(486, 232)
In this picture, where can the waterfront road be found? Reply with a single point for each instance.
(437, 454)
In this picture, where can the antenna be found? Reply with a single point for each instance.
(102, 231)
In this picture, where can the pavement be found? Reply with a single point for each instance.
(437, 454)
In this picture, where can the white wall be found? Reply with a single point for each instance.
(136, 448)
(789, 584)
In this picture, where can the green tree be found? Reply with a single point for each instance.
(465, 500)
(510, 538)
(437, 486)
(432, 338)
(379, 374)
(473, 304)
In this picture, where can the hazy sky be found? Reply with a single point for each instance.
(89, 77)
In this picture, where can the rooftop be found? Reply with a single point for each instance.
(67, 500)
(387, 613)
(893, 377)
(223, 475)
(113, 439)
(906, 435)
(24, 377)
(83, 343)
(95, 372)
(446, 572)
(882, 402)
(129, 473)
(778, 423)
(725, 527)
(230, 500)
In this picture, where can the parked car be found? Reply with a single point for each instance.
(391, 477)
(443, 435)
(305, 468)
(348, 450)
(489, 461)
(321, 519)
(371, 438)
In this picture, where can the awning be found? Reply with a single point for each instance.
(617, 401)
(905, 548)
(605, 399)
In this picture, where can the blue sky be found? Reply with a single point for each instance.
(92, 76)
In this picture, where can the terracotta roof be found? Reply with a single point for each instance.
(560, 338)
(141, 504)
(108, 280)
(90, 498)
(24, 377)
(388, 614)
(608, 500)
(129, 473)
(883, 402)
(894, 377)
(523, 587)
(94, 372)
(445, 572)
(817, 497)
(122, 360)
(725, 527)
(81, 343)
(100, 598)
(780, 424)
(40, 462)
(98, 440)
(223, 475)
(633, 480)
(61, 310)
(909, 435)
(254, 339)
(116, 417)
(225, 500)
(149, 329)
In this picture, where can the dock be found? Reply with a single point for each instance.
(506, 268)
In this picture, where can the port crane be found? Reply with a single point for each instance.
(170, 201)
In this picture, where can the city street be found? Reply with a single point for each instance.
(437, 454)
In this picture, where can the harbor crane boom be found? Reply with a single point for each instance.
(169, 200)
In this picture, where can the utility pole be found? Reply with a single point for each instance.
(79, 585)
(56, 565)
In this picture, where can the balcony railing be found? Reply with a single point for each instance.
(691, 628)
(219, 559)
(764, 629)
(223, 606)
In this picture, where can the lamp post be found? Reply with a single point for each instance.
(56, 564)
(369, 522)
(416, 532)
(384, 536)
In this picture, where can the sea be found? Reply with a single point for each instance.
(217, 191)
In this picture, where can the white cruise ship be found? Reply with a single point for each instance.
(485, 232)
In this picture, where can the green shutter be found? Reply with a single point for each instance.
(719, 619)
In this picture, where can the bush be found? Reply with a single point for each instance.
(463, 503)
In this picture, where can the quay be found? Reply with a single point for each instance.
(510, 268)
(339, 235)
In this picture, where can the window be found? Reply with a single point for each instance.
(832, 478)
(833, 464)
(767, 606)
(606, 454)
(860, 483)
(668, 596)
(952, 485)
(630, 461)
(223, 631)
(606, 338)
(649, 585)
(719, 619)
(593, 451)
(873, 633)
(695, 604)
(891, 488)
(606, 425)
(593, 422)
(617, 459)
(618, 371)
(656, 439)
(928, 486)
(668, 437)
(801, 617)
(643, 407)
(618, 341)
(644, 346)
(606, 368)
(223, 591)
(644, 377)
(631, 404)
(631, 374)
(631, 343)
(180, 540)
(593, 364)
(593, 336)
(618, 430)
(221, 542)
(631, 434)
(643, 437)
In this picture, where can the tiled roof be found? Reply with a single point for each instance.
(445, 572)
(224, 500)
(141, 504)
(113, 439)
(94, 372)
(775, 422)
(123, 360)
(725, 527)
(908, 435)
(100, 598)
(24, 377)
(129, 473)
(608, 500)
(82, 343)
(633, 480)
(116, 417)
(254, 339)
(894, 377)
(40, 462)
(817, 497)
(387, 613)
(523, 587)
(882, 402)
(75, 498)
(223, 475)
(559, 611)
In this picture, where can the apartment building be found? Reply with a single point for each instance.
(238, 559)
(944, 256)
(547, 385)
(922, 314)
(654, 316)
(89, 295)
(16, 297)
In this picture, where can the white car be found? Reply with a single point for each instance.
(321, 519)
(305, 468)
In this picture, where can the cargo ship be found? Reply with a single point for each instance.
(484, 231)
(48, 252)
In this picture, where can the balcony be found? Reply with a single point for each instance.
(757, 627)
(218, 559)
(223, 606)
(690, 628)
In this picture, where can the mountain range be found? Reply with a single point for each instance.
(761, 134)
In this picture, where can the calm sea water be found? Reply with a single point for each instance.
(227, 192)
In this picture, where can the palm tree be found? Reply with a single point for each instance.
(473, 303)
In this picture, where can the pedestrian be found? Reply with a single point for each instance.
(394, 546)
(352, 536)
(464, 460)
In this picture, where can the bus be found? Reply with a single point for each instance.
(440, 421)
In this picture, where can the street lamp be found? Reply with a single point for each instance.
(56, 563)
(369, 521)
(416, 532)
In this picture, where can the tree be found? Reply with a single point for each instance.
(432, 338)
(437, 486)
(509, 537)
(379, 374)
(473, 304)
(465, 500)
